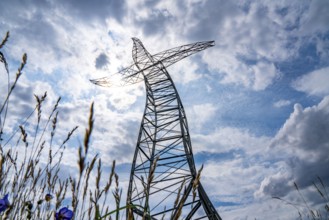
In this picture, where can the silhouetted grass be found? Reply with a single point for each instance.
(305, 209)
(35, 188)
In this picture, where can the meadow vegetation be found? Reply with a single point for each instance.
(307, 210)
(31, 186)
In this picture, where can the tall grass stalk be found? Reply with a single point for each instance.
(304, 209)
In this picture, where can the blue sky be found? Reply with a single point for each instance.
(257, 103)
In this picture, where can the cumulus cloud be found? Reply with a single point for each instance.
(297, 153)
(306, 129)
(237, 181)
(314, 83)
(276, 185)
(303, 142)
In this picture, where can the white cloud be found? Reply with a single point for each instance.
(256, 172)
(226, 139)
(281, 103)
(201, 114)
(303, 143)
(265, 73)
(265, 209)
(236, 182)
(234, 71)
(248, 45)
(314, 83)
(316, 17)
(185, 71)
(275, 185)
(306, 129)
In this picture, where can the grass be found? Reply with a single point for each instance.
(305, 209)
(31, 159)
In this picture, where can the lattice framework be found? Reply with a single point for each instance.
(164, 138)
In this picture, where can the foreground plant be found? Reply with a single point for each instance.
(38, 192)
(64, 214)
(4, 203)
(305, 211)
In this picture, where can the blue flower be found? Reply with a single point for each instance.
(4, 203)
(64, 214)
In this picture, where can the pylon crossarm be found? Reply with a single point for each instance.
(171, 56)
(134, 74)
(128, 75)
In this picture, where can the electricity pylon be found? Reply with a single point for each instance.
(164, 182)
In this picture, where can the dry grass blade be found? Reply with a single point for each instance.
(117, 196)
(318, 189)
(52, 133)
(306, 210)
(24, 135)
(99, 174)
(178, 198)
(109, 183)
(89, 129)
(148, 185)
(289, 203)
(81, 161)
(4, 61)
(55, 107)
(180, 207)
(74, 193)
(89, 169)
(300, 194)
(324, 188)
(196, 182)
(69, 135)
(18, 74)
(4, 40)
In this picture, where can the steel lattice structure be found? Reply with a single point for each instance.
(163, 169)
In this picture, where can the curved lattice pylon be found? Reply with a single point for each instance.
(163, 180)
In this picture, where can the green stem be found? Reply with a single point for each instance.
(116, 210)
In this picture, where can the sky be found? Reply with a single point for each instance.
(257, 103)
